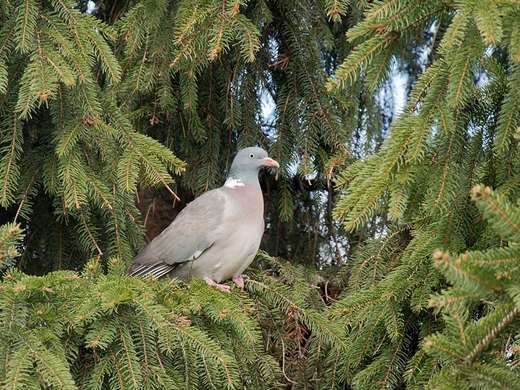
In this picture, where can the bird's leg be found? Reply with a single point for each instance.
(221, 287)
(239, 280)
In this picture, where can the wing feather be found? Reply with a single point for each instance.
(187, 237)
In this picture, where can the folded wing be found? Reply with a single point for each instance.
(187, 237)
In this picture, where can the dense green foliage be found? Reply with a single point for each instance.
(106, 330)
(457, 129)
(70, 156)
(81, 92)
(402, 232)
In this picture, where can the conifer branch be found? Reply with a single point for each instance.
(441, 259)
(206, 350)
(509, 114)
(491, 335)
(359, 60)
(431, 344)
(25, 197)
(500, 209)
(26, 20)
(445, 170)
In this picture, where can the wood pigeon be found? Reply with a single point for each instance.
(218, 234)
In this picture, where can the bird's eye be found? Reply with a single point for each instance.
(251, 155)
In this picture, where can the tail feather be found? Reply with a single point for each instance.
(157, 270)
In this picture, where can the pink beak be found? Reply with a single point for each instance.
(271, 162)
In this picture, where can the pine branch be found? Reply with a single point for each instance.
(25, 30)
(359, 61)
(504, 218)
(9, 170)
(508, 119)
(10, 235)
(493, 333)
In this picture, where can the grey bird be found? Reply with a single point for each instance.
(217, 235)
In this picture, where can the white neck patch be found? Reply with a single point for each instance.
(231, 182)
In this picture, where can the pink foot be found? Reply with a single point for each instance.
(221, 287)
(239, 280)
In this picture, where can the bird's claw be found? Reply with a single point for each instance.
(221, 287)
(239, 280)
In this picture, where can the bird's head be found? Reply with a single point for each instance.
(247, 163)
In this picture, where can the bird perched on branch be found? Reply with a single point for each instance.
(218, 234)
